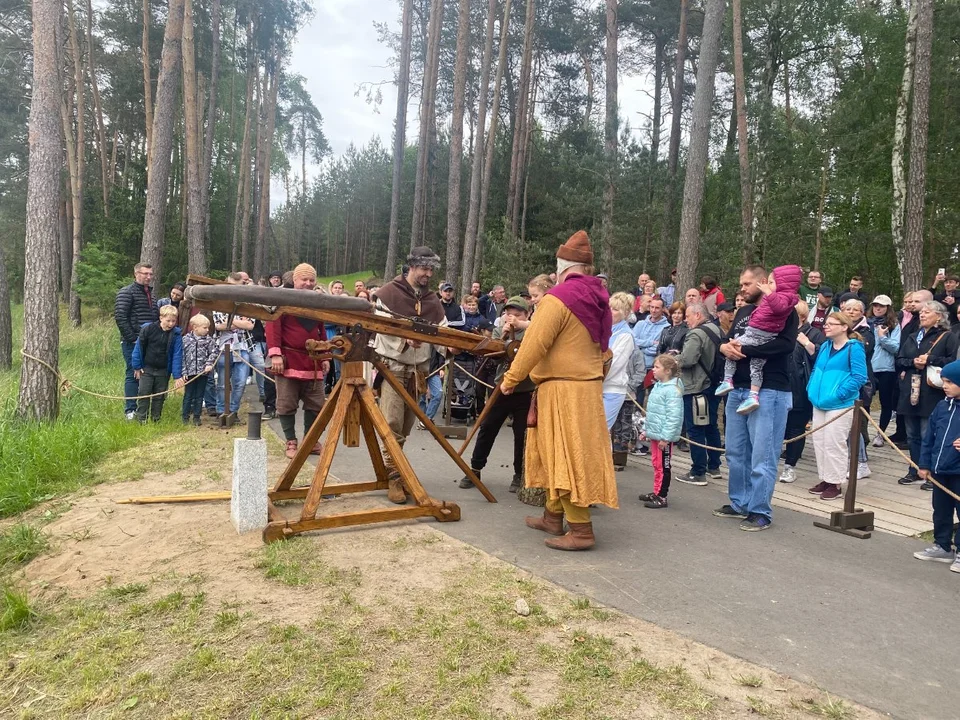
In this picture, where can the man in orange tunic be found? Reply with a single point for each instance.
(564, 351)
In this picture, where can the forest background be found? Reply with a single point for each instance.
(818, 132)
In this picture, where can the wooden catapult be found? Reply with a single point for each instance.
(351, 411)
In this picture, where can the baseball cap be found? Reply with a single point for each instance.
(882, 300)
(726, 307)
(446, 286)
(825, 291)
(517, 302)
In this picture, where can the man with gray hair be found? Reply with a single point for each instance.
(492, 304)
(700, 403)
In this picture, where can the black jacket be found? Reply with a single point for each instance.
(801, 366)
(777, 352)
(133, 309)
(944, 353)
(671, 339)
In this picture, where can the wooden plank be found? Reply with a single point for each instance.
(196, 497)
(373, 447)
(428, 423)
(312, 501)
(352, 371)
(311, 437)
(274, 531)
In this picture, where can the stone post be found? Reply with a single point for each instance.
(248, 502)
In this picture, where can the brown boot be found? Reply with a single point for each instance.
(395, 490)
(551, 523)
(620, 460)
(580, 537)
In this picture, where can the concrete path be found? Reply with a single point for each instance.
(861, 618)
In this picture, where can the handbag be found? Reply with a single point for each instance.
(933, 373)
(532, 412)
(648, 380)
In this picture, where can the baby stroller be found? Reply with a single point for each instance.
(463, 397)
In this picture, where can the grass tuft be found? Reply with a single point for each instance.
(753, 681)
(20, 544)
(15, 610)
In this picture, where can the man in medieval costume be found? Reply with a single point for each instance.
(565, 352)
(408, 295)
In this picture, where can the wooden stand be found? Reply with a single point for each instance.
(851, 520)
(352, 411)
(450, 430)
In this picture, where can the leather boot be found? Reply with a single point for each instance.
(517, 483)
(580, 537)
(396, 493)
(620, 460)
(551, 523)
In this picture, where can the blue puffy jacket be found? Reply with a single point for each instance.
(665, 411)
(937, 453)
(173, 350)
(837, 376)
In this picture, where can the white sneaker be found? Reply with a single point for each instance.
(131, 416)
(863, 471)
(789, 474)
(956, 565)
(937, 554)
(877, 441)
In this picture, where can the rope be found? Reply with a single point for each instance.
(910, 462)
(66, 385)
(445, 365)
(474, 377)
(809, 432)
(257, 370)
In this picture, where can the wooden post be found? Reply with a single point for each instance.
(850, 497)
(227, 385)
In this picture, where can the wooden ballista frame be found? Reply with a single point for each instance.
(350, 410)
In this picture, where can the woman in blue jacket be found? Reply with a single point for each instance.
(838, 374)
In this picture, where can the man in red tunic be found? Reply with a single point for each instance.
(299, 378)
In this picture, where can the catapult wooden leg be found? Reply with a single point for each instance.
(483, 416)
(310, 438)
(409, 477)
(446, 512)
(345, 398)
(373, 447)
(428, 423)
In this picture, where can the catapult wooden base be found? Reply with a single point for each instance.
(352, 411)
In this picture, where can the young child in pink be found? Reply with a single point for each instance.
(780, 297)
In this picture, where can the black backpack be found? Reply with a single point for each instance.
(714, 372)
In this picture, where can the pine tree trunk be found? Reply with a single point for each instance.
(610, 131)
(66, 250)
(399, 139)
(147, 84)
(898, 159)
(427, 100)
(196, 248)
(263, 214)
(80, 162)
(520, 120)
(740, 100)
(491, 146)
(693, 188)
(165, 115)
(655, 122)
(39, 397)
(242, 216)
(6, 322)
(820, 207)
(105, 180)
(456, 142)
(673, 153)
(476, 171)
(250, 252)
(206, 167)
(919, 122)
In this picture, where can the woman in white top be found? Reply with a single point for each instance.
(617, 383)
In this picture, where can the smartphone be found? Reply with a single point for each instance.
(941, 271)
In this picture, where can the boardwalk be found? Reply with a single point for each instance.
(899, 509)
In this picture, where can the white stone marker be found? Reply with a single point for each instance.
(248, 502)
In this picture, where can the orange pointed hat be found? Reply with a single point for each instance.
(577, 249)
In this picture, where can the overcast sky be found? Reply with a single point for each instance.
(339, 51)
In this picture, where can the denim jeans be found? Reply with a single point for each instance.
(238, 380)
(708, 434)
(257, 353)
(131, 388)
(916, 429)
(435, 386)
(210, 391)
(753, 448)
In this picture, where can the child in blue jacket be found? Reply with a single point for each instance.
(157, 355)
(940, 458)
(664, 422)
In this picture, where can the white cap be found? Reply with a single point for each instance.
(882, 300)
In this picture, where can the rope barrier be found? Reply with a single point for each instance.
(910, 462)
(474, 377)
(66, 385)
(809, 432)
(257, 370)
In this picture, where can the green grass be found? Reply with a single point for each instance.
(41, 461)
(15, 610)
(19, 544)
(349, 280)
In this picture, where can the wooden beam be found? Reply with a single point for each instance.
(448, 512)
(312, 502)
(310, 438)
(196, 497)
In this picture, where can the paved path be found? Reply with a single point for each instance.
(861, 618)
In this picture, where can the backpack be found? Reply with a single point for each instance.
(714, 372)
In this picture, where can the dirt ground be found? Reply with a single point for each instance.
(164, 611)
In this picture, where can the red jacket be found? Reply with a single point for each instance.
(288, 337)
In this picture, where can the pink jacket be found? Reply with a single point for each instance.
(774, 309)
